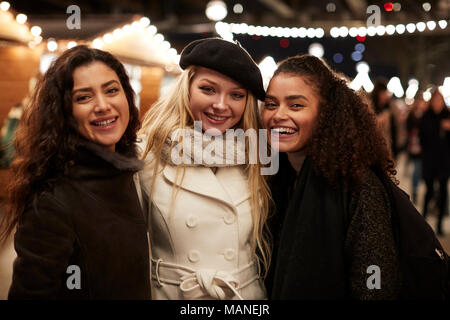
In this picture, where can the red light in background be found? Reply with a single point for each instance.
(360, 39)
(284, 43)
(255, 37)
(388, 6)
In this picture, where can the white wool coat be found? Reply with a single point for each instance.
(200, 243)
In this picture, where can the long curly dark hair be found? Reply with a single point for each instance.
(346, 140)
(47, 137)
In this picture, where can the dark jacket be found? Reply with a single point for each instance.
(90, 218)
(435, 145)
(414, 148)
(326, 238)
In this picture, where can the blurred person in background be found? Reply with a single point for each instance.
(381, 104)
(414, 148)
(8, 133)
(434, 134)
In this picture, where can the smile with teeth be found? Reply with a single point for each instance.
(217, 118)
(284, 130)
(104, 123)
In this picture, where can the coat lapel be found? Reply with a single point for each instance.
(200, 180)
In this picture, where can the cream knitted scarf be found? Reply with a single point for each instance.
(192, 147)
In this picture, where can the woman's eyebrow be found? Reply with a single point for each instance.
(88, 89)
(207, 80)
(82, 90)
(268, 96)
(214, 83)
(108, 83)
(296, 96)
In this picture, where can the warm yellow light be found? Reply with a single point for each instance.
(52, 45)
(71, 44)
(4, 5)
(97, 43)
(145, 22)
(108, 38)
(36, 31)
(21, 18)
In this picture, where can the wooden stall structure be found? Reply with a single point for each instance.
(19, 63)
(139, 44)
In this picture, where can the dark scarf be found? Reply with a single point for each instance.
(310, 258)
(106, 176)
(117, 160)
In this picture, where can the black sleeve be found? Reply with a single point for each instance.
(281, 187)
(44, 242)
(370, 242)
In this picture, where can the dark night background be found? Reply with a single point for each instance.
(420, 55)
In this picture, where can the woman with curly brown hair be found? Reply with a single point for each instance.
(80, 229)
(332, 226)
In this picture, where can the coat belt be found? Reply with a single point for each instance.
(195, 284)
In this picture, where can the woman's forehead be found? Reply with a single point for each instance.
(203, 73)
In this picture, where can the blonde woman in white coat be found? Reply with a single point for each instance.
(207, 218)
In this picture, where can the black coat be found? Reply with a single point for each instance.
(435, 145)
(91, 218)
(326, 237)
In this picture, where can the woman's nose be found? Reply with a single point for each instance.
(280, 114)
(102, 105)
(221, 103)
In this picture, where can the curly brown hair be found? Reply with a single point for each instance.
(47, 137)
(346, 140)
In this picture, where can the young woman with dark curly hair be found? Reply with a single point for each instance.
(332, 227)
(80, 229)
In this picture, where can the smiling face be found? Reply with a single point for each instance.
(100, 106)
(291, 109)
(216, 100)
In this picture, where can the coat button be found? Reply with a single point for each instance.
(229, 218)
(191, 221)
(229, 254)
(194, 255)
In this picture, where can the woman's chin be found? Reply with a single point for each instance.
(284, 147)
(213, 131)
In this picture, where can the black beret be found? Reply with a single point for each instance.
(228, 58)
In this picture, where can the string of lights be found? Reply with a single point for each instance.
(142, 26)
(22, 30)
(216, 11)
(335, 32)
(33, 37)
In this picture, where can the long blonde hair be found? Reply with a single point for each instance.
(171, 112)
